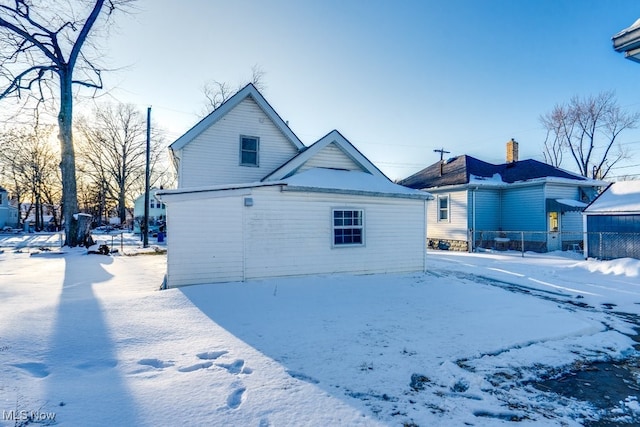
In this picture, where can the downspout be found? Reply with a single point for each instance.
(424, 235)
(585, 237)
(473, 219)
(244, 239)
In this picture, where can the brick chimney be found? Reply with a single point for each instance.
(512, 151)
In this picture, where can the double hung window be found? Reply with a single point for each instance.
(249, 146)
(443, 208)
(348, 227)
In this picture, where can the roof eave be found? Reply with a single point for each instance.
(246, 92)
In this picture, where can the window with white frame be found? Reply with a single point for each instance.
(249, 146)
(348, 227)
(443, 208)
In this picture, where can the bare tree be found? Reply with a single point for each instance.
(112, 154)
(43, 47)
(559, 128)
(588, 129)
(216, 92)
(28, 162)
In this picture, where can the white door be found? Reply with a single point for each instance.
(554, 242)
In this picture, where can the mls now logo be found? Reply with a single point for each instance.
(33, 416)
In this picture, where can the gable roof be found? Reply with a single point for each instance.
(333, 137)
(246, 92)
(618, 198)
(336, 181)
(464, 169)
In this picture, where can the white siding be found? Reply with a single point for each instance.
(213, 157)
(456, 227)
(205, 248)
(287, 233)
(331, 157)
(291, 234)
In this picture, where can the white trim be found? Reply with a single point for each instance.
(439, 209)
(335, 245)
(341, 142)
(248, 91)
(241, 139)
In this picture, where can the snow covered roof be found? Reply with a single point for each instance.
(320, 180)
(627, 39)
(619, 197)
(349, 182)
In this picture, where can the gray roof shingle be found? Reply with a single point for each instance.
(458, 170)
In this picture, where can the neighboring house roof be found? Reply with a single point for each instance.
(466, 169)
(333, 137)
(619, 198)
(248, 91)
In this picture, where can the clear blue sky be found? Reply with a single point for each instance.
(397, 78)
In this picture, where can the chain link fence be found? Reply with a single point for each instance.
(612, 245)
(601, 245)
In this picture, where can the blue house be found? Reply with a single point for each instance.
(8, 212)
(512, 205)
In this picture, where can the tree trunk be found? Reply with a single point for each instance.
(68, 162)
(83, 227)
(122, 209)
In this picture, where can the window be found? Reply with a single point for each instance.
(249, 150)
(553, 221)
(348, 227)
(443, 208)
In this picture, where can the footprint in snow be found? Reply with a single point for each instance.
(236, 398)
(155, 363)
(97, 365)
(35, 369)
(196, 367)
(236, 367)
(211, 355)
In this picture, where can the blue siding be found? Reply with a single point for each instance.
(524, 208)
(487, 205)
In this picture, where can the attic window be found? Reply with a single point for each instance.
(249, 146)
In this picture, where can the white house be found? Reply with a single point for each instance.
(280, 208)
(157, 210)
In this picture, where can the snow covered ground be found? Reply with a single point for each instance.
(90, 340)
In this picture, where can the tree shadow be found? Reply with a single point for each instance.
(82, 361)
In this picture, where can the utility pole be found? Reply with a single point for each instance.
(442, 153)
(145, 222)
